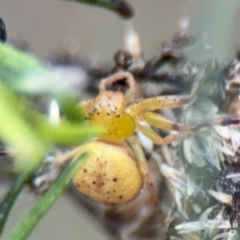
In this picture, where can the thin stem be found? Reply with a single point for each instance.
(121, 7)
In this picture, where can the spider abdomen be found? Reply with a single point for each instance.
(110, 174)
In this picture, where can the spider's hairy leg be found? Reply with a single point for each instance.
(172, 101)
(159, 121)
(148, 132)
(119, 76)
(146, 175)
(144, 168)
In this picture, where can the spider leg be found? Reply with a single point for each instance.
(160, 102)
(144, 169)
(119, 76)
(146, 176)
(162, 122)
(148, 132)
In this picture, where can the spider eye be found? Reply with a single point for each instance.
(3, 32)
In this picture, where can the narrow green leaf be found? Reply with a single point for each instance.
(68, 133)
(11, 197)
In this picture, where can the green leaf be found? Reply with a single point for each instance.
(15, 65)
(68, 133)
(11, 197)
(16, 132)
(71, 110)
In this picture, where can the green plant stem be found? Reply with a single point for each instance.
(11, 197)
(26, 226)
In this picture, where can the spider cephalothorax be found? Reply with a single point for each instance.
(108, 110)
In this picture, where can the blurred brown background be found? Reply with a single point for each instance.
(48, 25)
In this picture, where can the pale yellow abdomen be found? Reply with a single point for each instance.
(110, 174)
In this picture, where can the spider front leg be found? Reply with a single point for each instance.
(117, 77)
(173, 101)
(143, 111)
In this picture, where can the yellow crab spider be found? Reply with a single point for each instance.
(114, 172)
